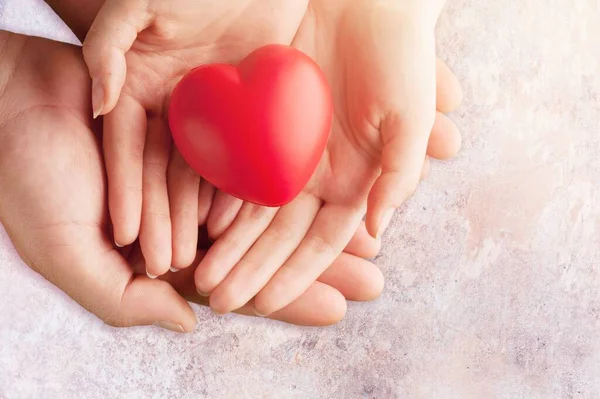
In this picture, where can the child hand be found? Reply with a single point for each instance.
(136, 51)
(380, 59)
(237, 226)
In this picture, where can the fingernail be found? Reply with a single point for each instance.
(385, 221)
(256, 312)
(204, 294)
(169, 325)
(97, 98)
(152, 276)
(174, 269)
(118, 245)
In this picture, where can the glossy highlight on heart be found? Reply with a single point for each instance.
(257, 130)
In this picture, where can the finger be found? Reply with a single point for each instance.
(183, 187)
(205, 201)
(89, 270)
(251, 221)
(362, 244)
(445, 140)
(155, 231)
(110, 37)
(407, 105)
(388, 216)
(223, 211)
(330, 232)
(404, 148)
(123, 141)
(355, 278)
(449, 92)
(267, 255)
(309, 309)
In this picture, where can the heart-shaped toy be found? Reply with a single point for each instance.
(258, 130)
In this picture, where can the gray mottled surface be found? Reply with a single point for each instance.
(492, 269)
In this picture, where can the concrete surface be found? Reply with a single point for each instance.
(492, 269)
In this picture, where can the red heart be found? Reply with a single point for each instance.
(256, 131)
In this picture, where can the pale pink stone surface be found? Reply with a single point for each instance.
(493, 282)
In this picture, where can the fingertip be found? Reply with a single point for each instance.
(388, 193)
(204, 281)
(125, 216)
(157, 253)
(363, 244)
(373, 286)
(308, 309)
(338, 307)
(224, 299)
(97, 98)
(223, 212)
(157, 264)
(449, 91)
(182, 258)
(154, 302)
(375, 210)
(124, 233)
(445, 141)
(269, 300)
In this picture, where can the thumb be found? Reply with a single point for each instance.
(402, 164)
(405, 134)
(110, 37)
(95, 275)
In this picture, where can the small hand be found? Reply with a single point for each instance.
(136, 52)
(382, 67)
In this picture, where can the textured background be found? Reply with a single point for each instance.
(492, 269)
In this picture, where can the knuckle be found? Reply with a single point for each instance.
(257, 213)
(162, 215)
(265, 304)
(321, 246)
(208, 280)
(280, 234)
(134, 189)
(135, 151)
(249, 265)
(156, 168)
(183, 255)
(226, 299)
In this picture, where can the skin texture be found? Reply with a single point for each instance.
(379, 58)
(53, 204)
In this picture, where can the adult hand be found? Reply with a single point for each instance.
(379, 57)
(53, 203)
